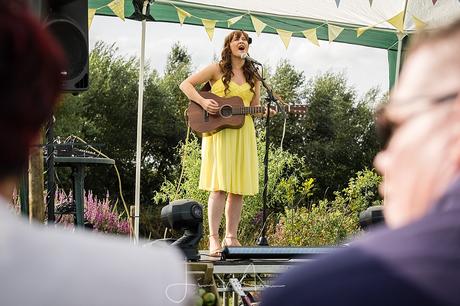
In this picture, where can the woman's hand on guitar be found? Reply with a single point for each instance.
(210, 106)
(272, 112)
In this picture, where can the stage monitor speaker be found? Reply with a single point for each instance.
(266, 252)
(371, 216)
(186, 215)
(67, 20)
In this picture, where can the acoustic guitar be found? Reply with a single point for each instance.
(231, 113)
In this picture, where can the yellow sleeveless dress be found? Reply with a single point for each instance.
(229, 157)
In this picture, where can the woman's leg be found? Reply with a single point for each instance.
(216, 205)
(232, 218)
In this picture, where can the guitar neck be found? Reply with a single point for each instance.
(249, 110)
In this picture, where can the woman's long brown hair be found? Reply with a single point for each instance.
(226, 62)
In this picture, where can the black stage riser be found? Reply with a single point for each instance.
(262, 252)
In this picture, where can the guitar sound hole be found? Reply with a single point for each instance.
(226, 111)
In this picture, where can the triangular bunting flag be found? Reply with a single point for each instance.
(209, 26)
(337, 2)
(285, 36)
(360, 31)
(398, 21)
(434, 1)
(181, 14)
(419, 24)
(258, 25)
(333, 32)
(234, 20)
(91, 13)
(311, 36)
(370, 2)
(118, 7)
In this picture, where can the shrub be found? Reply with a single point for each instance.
(318, 226)
(288, 184)
(102, 217)
(329, 222)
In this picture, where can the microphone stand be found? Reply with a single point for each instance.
(269, 99)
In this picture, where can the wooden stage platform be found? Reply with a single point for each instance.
(234, 276)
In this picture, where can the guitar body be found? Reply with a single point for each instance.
(201, 121)
(231, 113)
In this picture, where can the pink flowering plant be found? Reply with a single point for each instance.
(102, 217)
(98, 214)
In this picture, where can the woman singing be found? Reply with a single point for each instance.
(229, 167)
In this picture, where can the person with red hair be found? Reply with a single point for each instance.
(44, 266)
(30, 80)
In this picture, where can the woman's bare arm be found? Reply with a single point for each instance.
(209, 73)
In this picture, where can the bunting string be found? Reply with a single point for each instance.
(337, 2)
(117, 7)
(334, 31)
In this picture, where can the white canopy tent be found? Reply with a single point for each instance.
(372, 23)
(345, 12)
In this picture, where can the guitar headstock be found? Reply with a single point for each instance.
(296, 109)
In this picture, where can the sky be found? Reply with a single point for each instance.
(364, 67)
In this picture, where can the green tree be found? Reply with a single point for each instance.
(289, 85)
(337, 137)
(107, 114)
(178, 68)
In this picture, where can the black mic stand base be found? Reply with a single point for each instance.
(262, 241)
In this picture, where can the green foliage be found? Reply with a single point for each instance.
(337, 136)
(361, 193)
(288, 83)
(319, 226)
(178, 68)
(107, 114)
(329, 222)
(340, 133)
(188, 189)
(288, 184)
(190, 153)
(104, 115)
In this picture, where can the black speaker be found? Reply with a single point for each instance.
(371, 216)
(67, 21)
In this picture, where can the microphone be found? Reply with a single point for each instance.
(246, 56)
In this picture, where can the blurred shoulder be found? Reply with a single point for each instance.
(349, 276)
(108, 269)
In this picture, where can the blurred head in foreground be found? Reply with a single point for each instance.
(30, 68)
(422, 122)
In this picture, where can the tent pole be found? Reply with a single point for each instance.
(140, 104)
(398, 57)
(400, 40)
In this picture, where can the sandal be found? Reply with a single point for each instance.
(217, 252)
(233, 242)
